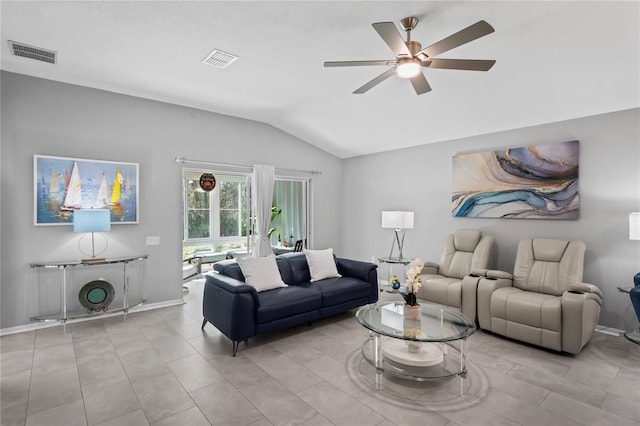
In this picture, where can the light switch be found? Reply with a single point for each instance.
(153, 241)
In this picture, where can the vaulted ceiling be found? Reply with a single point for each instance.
(555, 61)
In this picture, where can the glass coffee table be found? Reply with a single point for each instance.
(429, 348)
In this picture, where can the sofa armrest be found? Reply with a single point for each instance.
(364, 271)
(230, 284)
(355, 268)
(230, 305)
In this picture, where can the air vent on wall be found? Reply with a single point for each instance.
(32, 52)
(219, 59)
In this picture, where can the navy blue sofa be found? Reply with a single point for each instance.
(240, 312)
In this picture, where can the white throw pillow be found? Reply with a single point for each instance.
(261, 272)
(321, 264)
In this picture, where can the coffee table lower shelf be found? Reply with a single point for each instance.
(453, 363)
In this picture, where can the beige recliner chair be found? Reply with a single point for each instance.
(545, 301)
(466, 256)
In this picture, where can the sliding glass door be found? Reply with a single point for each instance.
(290, 225)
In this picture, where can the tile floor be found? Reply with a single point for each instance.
(158, 368)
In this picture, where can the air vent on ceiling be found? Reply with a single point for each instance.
(32, 52)
(219, 59)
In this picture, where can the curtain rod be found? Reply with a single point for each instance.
(185, 160)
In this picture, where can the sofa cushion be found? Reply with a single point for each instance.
(230, 268)
(322, 264)
(261, 272)
(284, 302)
(338, 290)
(525, 307)
(298, 268)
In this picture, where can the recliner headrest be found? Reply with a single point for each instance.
(466, 239)
(549, 250)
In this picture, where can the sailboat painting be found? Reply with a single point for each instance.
(64, 185)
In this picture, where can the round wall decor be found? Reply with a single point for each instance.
(96, 295)
(207, 182)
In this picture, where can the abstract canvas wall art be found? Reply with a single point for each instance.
(531, 182)
(63, 185)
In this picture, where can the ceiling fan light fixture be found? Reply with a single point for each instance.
(408, 68)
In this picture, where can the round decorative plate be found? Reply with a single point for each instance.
(207, 182)
(96, 295)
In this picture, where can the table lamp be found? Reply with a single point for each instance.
(400, 222)
(92, 220)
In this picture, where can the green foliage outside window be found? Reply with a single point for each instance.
(198, 203)
(233, 221)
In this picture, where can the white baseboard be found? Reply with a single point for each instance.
(609, 330)
(54, 323)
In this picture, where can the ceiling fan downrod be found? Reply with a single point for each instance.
(409, 24)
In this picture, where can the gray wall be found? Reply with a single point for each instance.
(49, 118)
(419, 179)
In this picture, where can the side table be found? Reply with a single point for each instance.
(634, 336)
(65, 266)
(404, 261)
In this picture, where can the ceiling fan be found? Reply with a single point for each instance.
(410, 57)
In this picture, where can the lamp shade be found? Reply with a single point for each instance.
(397, 220)
(634, 226)
(91, 220)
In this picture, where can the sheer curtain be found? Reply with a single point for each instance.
(289, 195)
(262, 182)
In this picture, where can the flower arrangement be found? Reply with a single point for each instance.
(413, 282)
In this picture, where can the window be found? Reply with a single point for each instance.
(198, 211)
(217, 223)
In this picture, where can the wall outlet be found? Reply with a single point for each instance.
(153, 241)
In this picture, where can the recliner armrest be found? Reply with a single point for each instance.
(486, 287)
(494, 273)
(479, 272)
(430, 268)
(586, 288)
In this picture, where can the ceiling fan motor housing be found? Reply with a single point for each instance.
(414, 47)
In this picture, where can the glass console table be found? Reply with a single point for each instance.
(65, 267)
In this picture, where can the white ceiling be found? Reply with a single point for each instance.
(555, 61)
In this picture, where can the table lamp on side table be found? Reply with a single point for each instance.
(634, 293)
(92, 220)
(400, 222)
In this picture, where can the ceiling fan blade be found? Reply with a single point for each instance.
(420, 84)
(358, 63)
(391, 36)
(460, 64)
(472, 32)
(388, 73)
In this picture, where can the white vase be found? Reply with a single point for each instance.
(412, 312)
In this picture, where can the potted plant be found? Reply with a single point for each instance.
(275, 212)
(412, 285)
